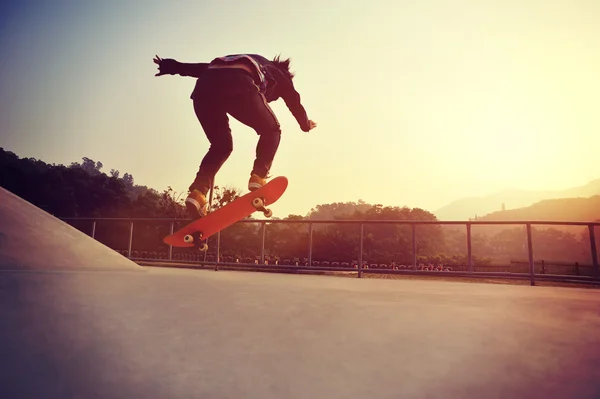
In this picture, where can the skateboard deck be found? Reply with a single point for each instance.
(200, 229)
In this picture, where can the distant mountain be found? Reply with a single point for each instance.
(560, 210)
(469, 208)
(554, 210)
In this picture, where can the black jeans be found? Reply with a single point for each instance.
(232, 91)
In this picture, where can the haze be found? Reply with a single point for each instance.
(417, 104)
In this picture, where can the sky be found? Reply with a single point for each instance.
(417, 103)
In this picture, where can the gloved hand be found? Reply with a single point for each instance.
(166, 66)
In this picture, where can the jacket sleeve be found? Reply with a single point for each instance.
(292, 100)
(193, 70)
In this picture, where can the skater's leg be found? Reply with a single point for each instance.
(215, 123)
(253, 110)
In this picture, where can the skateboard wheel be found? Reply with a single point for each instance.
(268, 213)
(257, 202)
(203, 247)
(188, 239)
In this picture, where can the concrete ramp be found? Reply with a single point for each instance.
(32, 239)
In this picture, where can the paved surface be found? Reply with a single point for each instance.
(132, 332)
(206, 334)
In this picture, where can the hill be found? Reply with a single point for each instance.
(556, 210)
(562, 209)
(468, 208)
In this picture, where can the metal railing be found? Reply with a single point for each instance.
(360, 267)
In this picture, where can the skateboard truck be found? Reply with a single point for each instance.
(196, 239)
(259, 204)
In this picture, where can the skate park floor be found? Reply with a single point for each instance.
(165, 333)
(78, 320)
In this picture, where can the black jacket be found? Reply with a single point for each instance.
(271, 81)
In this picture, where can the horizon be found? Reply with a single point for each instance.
(499, 97)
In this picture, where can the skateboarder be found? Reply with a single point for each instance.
(240, 85)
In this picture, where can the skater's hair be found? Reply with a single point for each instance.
(284, 66)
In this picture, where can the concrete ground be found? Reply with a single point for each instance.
(203, 334)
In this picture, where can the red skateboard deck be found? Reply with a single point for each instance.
(231, 213)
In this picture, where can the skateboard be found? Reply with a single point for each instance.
(193, 234)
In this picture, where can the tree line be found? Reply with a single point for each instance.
(83, 190)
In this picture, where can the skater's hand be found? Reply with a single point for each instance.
(311, 125)
(165, 66)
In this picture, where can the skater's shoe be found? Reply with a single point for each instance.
(256, 182)
(196, 204)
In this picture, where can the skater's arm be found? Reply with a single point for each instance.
(292, 100)
(193, 70)
(169, 66)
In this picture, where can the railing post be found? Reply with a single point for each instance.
(530, 252)
(591, 229)
(360, 250)
(414, 245)
(94, 229)
(218, 250)
(170, 246)
(262, 247)
(469, 249)
(310, 243)
(130, 240)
